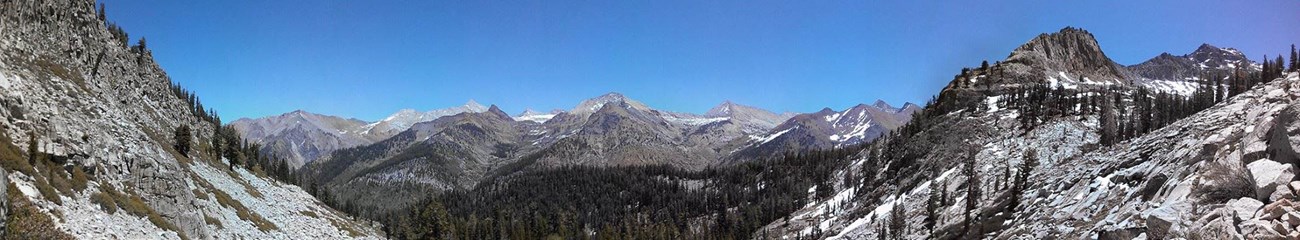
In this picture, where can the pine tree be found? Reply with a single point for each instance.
(1109, 125)
(972, 188)
(897, 220)
(183, 139)
(1021, 181)
(32, 151)
(1294, 63)
(1278, 67)
(934, 203)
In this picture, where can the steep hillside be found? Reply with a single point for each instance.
(1058, 157)
(101, 120)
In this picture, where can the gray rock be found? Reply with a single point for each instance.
(1259, 229)
(1218, 228)
(1273, 210)
(1162, 219)
(1270, 174)
(1244, 208)
(1282, 192)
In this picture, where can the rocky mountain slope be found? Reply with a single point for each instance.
(1221, 173)
(827, 129)
(301, 137)
(99, 117)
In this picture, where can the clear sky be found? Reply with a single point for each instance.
(368, 59)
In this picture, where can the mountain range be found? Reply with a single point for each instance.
(458, 151)
(1057, 140)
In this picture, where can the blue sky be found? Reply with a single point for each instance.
(367, 59)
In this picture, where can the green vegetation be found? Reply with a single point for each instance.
(648, 202)
(183, 139)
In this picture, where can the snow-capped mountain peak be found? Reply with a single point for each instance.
(535, 116)
(723, 109)
(594, 104)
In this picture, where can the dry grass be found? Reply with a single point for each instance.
(27, 222)
(212, 221)
(133, 204)
(79, 179)
(340, 224)
(243, 212)
(105, 202)
(198, 194)
(11, 157)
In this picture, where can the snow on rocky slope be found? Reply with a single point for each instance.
(1175, 182)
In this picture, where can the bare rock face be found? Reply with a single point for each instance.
(1070, 50)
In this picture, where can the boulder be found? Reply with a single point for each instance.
(1282, 192)
(1120, 234)
(1244, 207)
(1295, 186)
(1162, 219)
(1268, 175)
(1218, 228)
(1291, 218)
(1273, 210)
(1281, 227)
(1259, 229)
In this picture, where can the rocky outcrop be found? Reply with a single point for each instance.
(1070, 50)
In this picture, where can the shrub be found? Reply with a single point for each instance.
(79, 179)
(47, 191)
(199, 194)
(212, 221)
(58, 179)
(11, 157)
(1224, 181)
(27, 222)
(105, 202)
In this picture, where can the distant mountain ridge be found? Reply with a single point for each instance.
(301, 137)
(459, 151)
